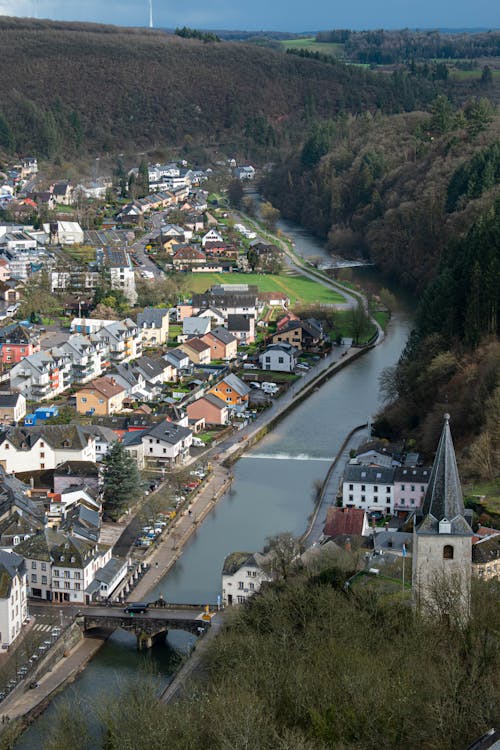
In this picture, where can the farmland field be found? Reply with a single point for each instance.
(309, 43)
(298, 288)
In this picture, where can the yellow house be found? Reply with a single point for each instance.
(102, 397)
(152, 323)
(198, 351)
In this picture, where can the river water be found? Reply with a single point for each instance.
(272, 492)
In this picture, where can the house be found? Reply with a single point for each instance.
(486, 557)
(154, 369)
(29, 166)
(104, 438)
(244, 173)
(346, 521)
(232, 391)
(166, 444)
(102, 396)
(195, 326)
(211, 236)
(370, 488)
(12, 407)
(132, 442)
(17, 342)
(107, 579)
(4, 270)
(279, 358)
(132, 213)
(70, 474)
(44, 447)
(63, 193)
(60, 566)
(222, 343)
(184, 257)
(123, 340)
(86, 358)
(210, 408)
(242, 327)
(16, 527)
(302, 334)
(216, 316)
(242, 577)
(285, 320)
(178, 359)
(152, 323)
(197, 350)
(410, 486)
(13, 597)
(230, 299)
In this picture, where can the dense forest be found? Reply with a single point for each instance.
(306, 665)
(80, 88)
(383, 47)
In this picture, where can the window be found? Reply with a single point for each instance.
(77, 586)
(375, 499)
(67, 574)
(33, 565)
(56, 573)
(240, 585)
(388, 490)
(252, 586)
(281, 360)
(351, 486)
(44, 580)
(448, 552)
(412, 488)
(412, 501)
(241, 599)
(362, 498)
(77, 575)
(55, 584)
(84, 399)
(67, 585)
(375, 487)
(402, 488)
(363, 487)
(351, 498)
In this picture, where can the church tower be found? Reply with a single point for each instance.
(442, 541)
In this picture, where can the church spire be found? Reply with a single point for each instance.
(444, 500)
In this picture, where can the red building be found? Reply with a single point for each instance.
(16, 343)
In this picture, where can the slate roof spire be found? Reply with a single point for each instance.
(444, 500)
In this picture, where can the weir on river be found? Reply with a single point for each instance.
(272, 492)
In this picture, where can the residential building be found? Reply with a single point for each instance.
(230, 299)
(232, 391)
(74, 473)
(222, 343)
(211, 236)
(349, 522)
(41, 376)
(210, 408)
(12, 408)
(104, 439)
(242, 327)
(152, 323)
(279, 358)
(442, 541)
(119, 269)
(154, 369)
(132, 442)
(186, 256)
(370, 488)
(197, 350)
(102, 397)
(76, 278)
(13, 597)
(178, 359)
(86, 358)
(60, 566)
(44, 447)
(410, 486)
(486, 556)
(166, 444)
(195, 326)
(242, 576)
(302, 334)
(123, 340)
(63, 193)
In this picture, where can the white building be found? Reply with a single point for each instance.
(64, 233)
(242, 577)
(167, 443)
(13, 597)
(44, 447)
(370, 488)
(279, 358)
(60, 567)
(121, 272)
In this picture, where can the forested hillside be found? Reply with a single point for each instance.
(309, 666)
(69, 88)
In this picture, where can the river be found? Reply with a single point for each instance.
(272, 492)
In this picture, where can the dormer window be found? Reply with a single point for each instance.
(445, 526)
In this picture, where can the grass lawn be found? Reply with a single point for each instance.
(81, 253)
(298, 288)
(382, 317)
(491, 493)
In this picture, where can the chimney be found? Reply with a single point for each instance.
(348, 547)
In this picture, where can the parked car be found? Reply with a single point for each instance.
(254, 384)
(250, 366)
(302, 366)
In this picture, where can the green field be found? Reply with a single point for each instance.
(309, 43)
(298, 288)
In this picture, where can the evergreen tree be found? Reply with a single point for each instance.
(122, 482)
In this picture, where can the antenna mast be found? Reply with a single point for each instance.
(150, 14)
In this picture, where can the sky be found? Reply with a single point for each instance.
(275, 15)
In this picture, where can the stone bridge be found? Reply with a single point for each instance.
(149, 627)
